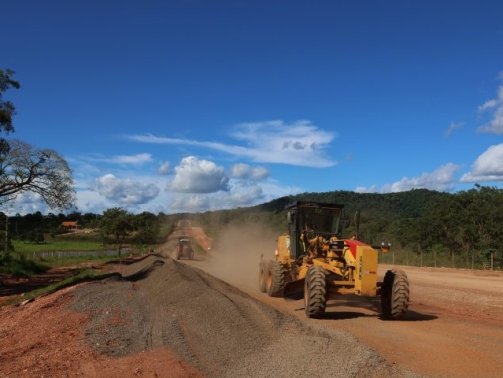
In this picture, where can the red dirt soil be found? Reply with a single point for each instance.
(44, 338)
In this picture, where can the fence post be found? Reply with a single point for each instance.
(492, 260)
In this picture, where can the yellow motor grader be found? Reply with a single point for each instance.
(311, 260)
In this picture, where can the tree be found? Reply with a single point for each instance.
(116, 224)
(147, 228)
(24, 168)
(7, 109)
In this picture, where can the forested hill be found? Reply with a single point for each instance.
(410, 204)
(390, 216)
(463, 225)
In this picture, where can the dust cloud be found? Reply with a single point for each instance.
(235, 255)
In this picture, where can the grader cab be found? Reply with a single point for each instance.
(312, 262)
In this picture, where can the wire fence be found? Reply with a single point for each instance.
(489, 261)
(70, 254)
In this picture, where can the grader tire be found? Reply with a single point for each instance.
(262, 276)
(394, 294)
(315, 292)
(277, 278)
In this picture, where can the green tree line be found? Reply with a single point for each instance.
(464, 226)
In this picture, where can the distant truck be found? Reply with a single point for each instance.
(184, 248)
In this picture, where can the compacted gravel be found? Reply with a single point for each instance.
(212, 326)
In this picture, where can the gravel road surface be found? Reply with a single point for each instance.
(214, 327)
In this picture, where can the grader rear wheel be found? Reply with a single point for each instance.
(315, 292)
(262, 276)
(394, 294)
(277, 278)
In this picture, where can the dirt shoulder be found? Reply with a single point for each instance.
(46, 338)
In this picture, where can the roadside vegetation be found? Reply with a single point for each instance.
(18, 265)
(56, 245)
(79, 276)
(425, 228)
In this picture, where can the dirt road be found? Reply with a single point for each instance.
(453, 329)
(167, 318)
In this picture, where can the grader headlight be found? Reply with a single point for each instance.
(385, 247)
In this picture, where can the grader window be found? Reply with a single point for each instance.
(322, 220)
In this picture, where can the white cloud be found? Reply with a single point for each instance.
(198, 176)
(364, 189)
(245, 172)
(300, 143)
(242, 194)
(125, 192)
(488, 105)
(495, 106)
(89, 201)
(453, 127)
(163, 168)
(441, 179)
(190, 203)
(238, 195)
(487, 167)
(137, 159)
(25, 203)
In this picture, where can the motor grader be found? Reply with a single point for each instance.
(312, 262)
(184, 248)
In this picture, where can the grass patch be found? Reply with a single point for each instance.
(80, 236)
(66, 261)
(81, 276)
(19, 265)
(57, 245)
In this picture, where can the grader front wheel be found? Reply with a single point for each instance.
(394, 294)
(315, 292)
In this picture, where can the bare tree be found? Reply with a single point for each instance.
(24, 168)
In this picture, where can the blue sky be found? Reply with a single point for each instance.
(195, 105)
